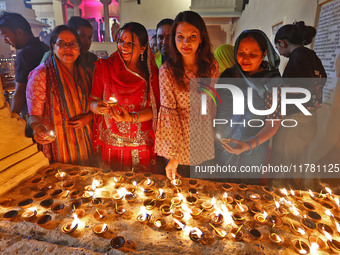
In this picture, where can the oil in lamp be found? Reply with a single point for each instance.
(68, 228)
(217, 217)
(276, 239)
(177, 214)
(100, 229)
(119, 209)
(227, 186)
(236, 233)
(160, 223)
(255, 234)
(208, 205)
(130, 197)
(221, 233)
(196, 212)
(261, 217)
(6, 202)
(192, 199)
(99, 214)
(193, 183)
(176, 201)
(10, 215)
(301, 247)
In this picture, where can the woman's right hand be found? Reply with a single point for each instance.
(99, 107)
(171, 169)
(42, 136)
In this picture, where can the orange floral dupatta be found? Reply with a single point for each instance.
(67, 97)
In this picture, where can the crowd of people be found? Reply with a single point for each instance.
(134, 110)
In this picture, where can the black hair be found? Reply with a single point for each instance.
(164, 22)
(204, 54)
(14, 21)
(154, 36)
(296, 33)
(56, 32)
(261, 41)
(142, 35)
(75, 22)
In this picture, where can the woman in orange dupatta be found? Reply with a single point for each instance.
(57, 97)
(125, 133)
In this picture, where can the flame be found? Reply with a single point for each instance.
(277, 204)
(141, 189)
(180, 196)
(33, 209)
(337, 201)
(158, 223)
(328, 236)
(182, 226)
(265, 214)
(75, 222)
(284, 191)
(301, 231)
(160, 192)
(115, 179)
(197, 231)
(227, 216)
(328, 212)
(311, 193)
(62, 174)
(143, 212)
(225, 195)
(328, 190)
(218, 136)
(122, 192)
(186, 208)
(175, 182)
(113, 99)
(292, 192)
(337, 226)
(240, 207)
(134, 183)
(295, 211)
(103, 228)
(313, 247)
(95, 184)
(213, 201)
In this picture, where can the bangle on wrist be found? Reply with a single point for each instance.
(251, 148)
(137, 114)
(257, 141)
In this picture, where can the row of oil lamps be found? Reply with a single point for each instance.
(217, 218)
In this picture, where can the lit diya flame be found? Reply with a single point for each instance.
(112, 101)
(225, 195)
(329, 191)
(148, 181)
(30, 212)
(337, 201)
(301, 231)
(311, 193)
(328, 236)
(294, 210)
(284, 191)
(143, 212)
(88, 194)
(122, 192)
(227, 215)
(218, 136)
(337, 227)
(95, 184)
(196, 232)
(313, 248)
(61, 174)
(103, 228)
(302, 251)
(75, 222)
(115, 179)
(186, 208)
(292, 192)
(240, 207)
(213, 201)
(277, 237)
(277, 204)
(134, 183)
(180, 224)
(328, 212)
(180, 196)
(160, 192)
(158, 223)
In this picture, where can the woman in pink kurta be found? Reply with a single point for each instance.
(184, 136)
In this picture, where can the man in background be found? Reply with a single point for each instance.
(163, 32)
(17, 32)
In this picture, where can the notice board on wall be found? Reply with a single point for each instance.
(327, 47)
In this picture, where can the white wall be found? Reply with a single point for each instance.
(150, 12)
(263, 14)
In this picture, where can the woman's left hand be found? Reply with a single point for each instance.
(122, 115)
(238, 149)
(80, 121)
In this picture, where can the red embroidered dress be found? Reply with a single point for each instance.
(124, 144)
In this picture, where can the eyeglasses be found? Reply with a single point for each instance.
(71, 45)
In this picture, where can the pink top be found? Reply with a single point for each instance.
(182, 132)
(36, 90)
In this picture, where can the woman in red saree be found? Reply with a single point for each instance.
(57, 98)
(125, 133)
